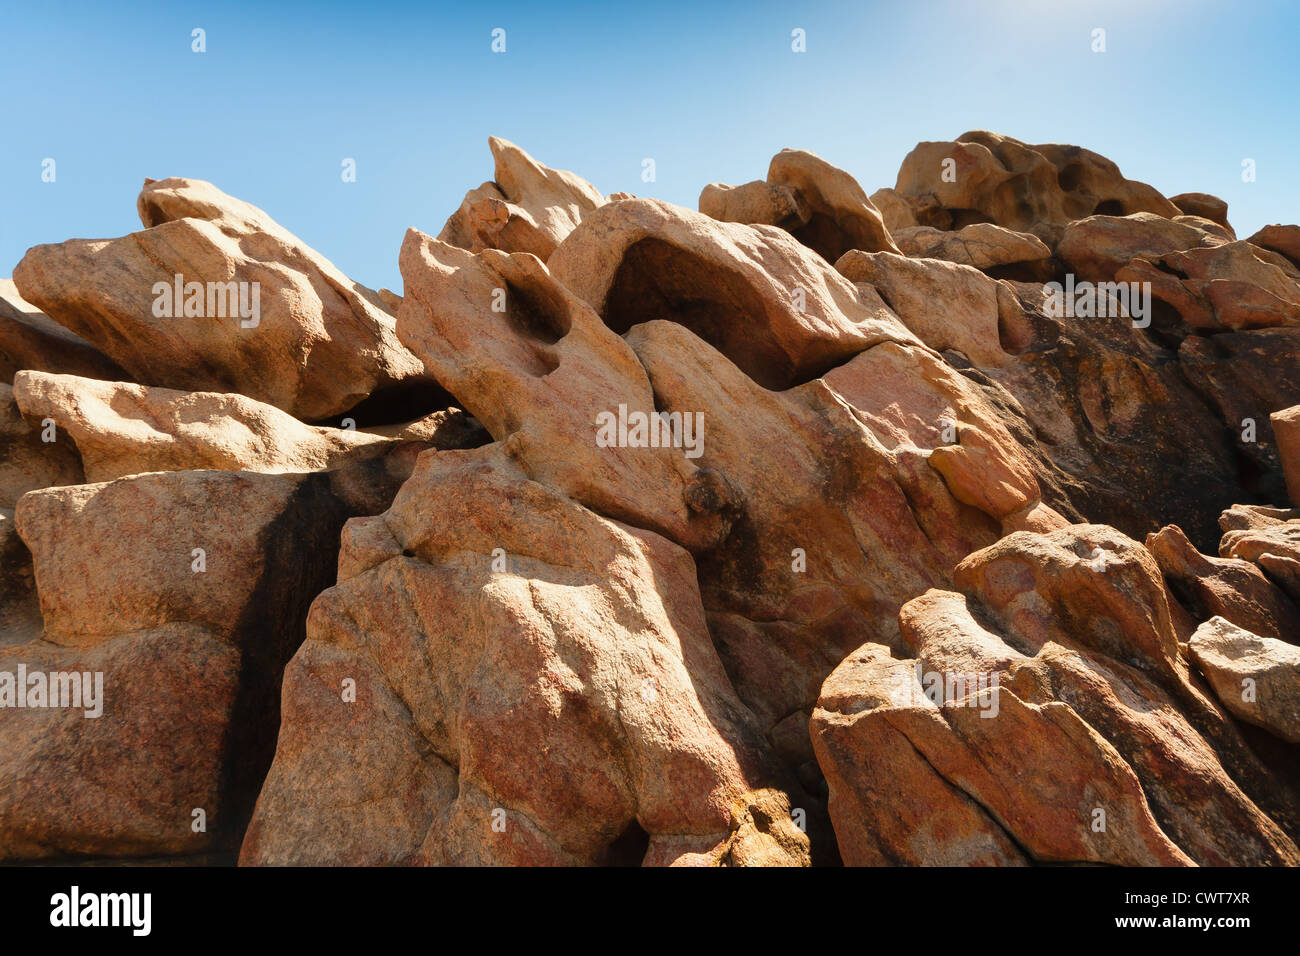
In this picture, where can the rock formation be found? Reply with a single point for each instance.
(953, 524)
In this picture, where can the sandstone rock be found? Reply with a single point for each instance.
(1268, 537)
(539, 375)
(1286, 430)
(30, 339)
(1019, 788)
(527, 207)
(985, 177)
(27, 461)
(858, 490)
(190, 645)
(889, 805)
(1284, 240)
(1231, 286)
(1115, 430)
(1103, 723)
(20, 612)
(1097, 247)
(1205, 206)
(563, 707)
(1245, 376)
(122, 429)
(317, 345)
(842, 217)
(897, 210)
(756, 203)
(573, 646)
(820, 204)
(948, 306)
(1223, 587)
(981, 245)
(779, 312)
(1257, 678)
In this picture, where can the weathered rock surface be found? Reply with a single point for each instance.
(1230, 588)
(1257, 678)
(756, 203)
(771, 534)
(856, 490)
(27, 462)
(1231, 286)
(527, 207)
(1142, 766)
(972, 314)
(1096, 248)
(1284, 240)
(779, 312)
(30, 339)
(539, 373)
(819, 204)
(1268, 537)
(1286, 431)
(1245, 376)
(309, 340)
(122, 429)
(562, 707)
(187, 592)
(1204, 206)
(981, 245)
(985, 177)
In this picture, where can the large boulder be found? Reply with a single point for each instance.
(1229, 588)
(527, 207)
(534, 364)
(531, 684)
(31, 339)
(1267, 537)
(177, 597)
(1235, 285)
(123, 429)
(774, 308)
(1286, 430)
(981, 245)
(216, 296)
(1257, 678)
(986, 177)
(819, 204)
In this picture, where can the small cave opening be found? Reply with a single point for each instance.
(658, 280)
(967, 217)
(629, 848)
(1070, 176)
(823, 235)
(395, 405)
(537, 312)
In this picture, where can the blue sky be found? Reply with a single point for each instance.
(112, 92)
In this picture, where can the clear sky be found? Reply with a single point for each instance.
(285, 92)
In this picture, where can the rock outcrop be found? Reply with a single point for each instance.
(216, 296)
(1020, 683)
(1257, 678)
(801, 529)
(527, 207)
